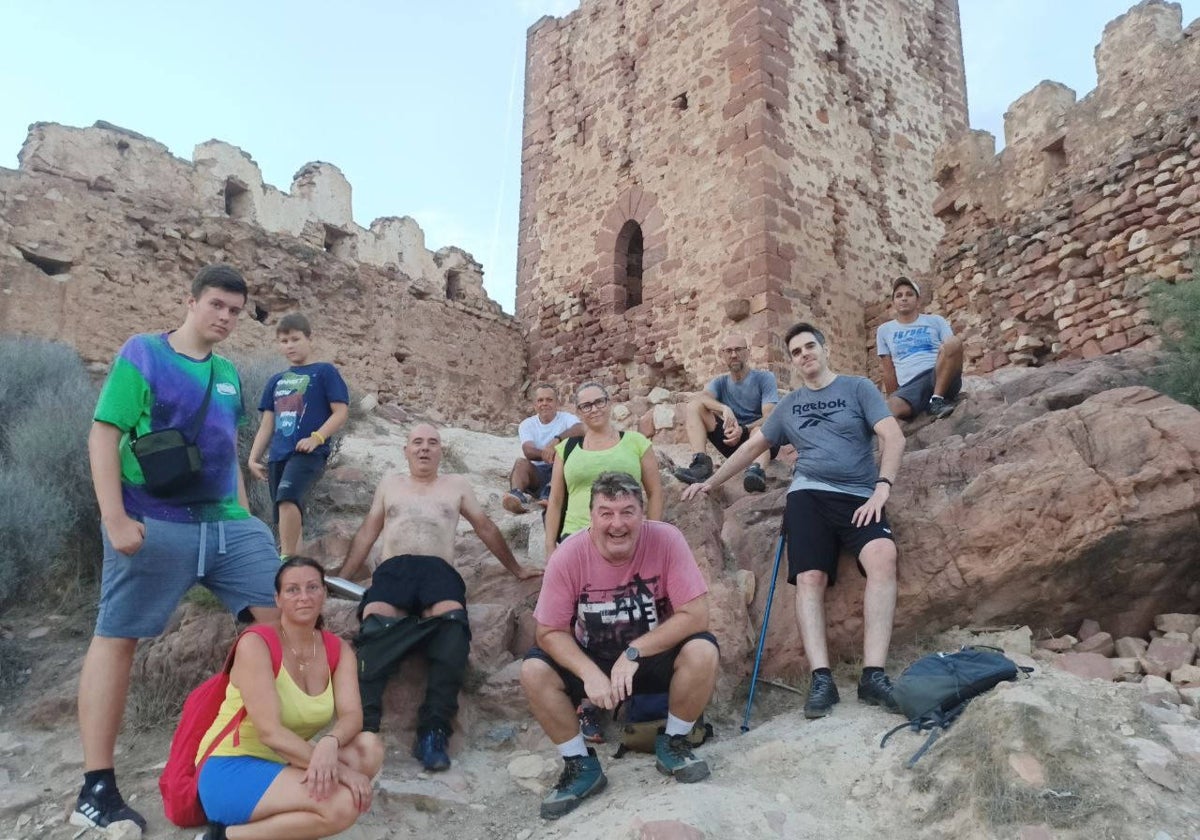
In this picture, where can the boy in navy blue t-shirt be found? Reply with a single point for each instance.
(302, 408)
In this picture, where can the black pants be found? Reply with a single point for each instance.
(382, 645)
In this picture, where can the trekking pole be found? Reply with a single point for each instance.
(762, 635)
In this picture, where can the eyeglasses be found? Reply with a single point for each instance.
(733, 351)
(593, 405)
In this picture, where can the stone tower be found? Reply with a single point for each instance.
(695, 166)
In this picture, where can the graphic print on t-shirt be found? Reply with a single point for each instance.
(919, 338)
(816, 412)
(289, 402)
(607, 620)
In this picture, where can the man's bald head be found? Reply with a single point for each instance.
(423, 450)
(735, 351)
(424, 430)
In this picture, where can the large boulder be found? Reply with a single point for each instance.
(1039, 502)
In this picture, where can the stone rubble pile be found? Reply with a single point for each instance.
(1164, 664)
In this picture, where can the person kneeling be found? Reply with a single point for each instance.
(638, 604)
(271, 781)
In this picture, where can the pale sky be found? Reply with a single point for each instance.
(418, 103)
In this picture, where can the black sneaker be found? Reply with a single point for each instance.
(101, 805)
(582, 776)
(940, 407)
(674, 757)
(822, 695)
(754, 480)
(875, 689)
(430, 750)
(700, 469)
(589, 724)
(215, 831)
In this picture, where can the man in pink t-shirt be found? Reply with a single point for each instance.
(623, 610)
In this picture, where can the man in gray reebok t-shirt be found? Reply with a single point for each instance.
(835, 502)
(731, 406)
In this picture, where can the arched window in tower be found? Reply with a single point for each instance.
(629, 257)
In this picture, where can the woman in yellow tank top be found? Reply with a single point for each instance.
(274, 782)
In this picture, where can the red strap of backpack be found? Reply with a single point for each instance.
(333, 654)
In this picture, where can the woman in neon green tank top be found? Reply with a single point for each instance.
(275, 782)
(604, 449)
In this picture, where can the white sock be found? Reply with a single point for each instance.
(937, 397)
(675, 726)
(576, 746)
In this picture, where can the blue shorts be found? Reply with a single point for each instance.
(290, 480)
(231, 786)
(235, 559)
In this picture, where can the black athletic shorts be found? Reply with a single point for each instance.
(819, 528)
(291, 478)
(717, 438)
(413, 582)
(653, 675)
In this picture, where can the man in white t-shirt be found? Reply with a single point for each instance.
(530, 476)
(623, 611)
(922, 358)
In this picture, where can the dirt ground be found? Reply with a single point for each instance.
(1079, 759)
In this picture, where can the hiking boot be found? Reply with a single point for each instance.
(582, 776)
(674, 757)
(215, 831)
(589, 724)
(940, 407)
(822, 694)
(754, 480)
(700, 469)
(516, 501)
(430, 750)
(875, 689)
(102, 805)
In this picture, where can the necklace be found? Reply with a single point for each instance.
(301, 662)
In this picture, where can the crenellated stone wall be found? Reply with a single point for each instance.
(101, 230)
(774, 160)
(1050, 245)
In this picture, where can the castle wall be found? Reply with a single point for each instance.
(101, 231)
(776, 155)
(1051, 244)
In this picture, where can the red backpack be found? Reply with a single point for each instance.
(181, 801)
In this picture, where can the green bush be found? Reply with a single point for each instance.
(1176, 310)
(49, 521)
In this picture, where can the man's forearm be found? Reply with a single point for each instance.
(106, 469)
(670, 633)
(360, 546)
(491, 537)
(561, 646)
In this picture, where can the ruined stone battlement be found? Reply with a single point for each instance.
(690, 168)
(224, 181)
(1050, 244)
(102, 229)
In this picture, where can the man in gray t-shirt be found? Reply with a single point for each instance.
(730, 407)
(922, 359)
(835, 503)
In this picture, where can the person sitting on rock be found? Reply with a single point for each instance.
(922, 359)
(271, 780)
(623, 610)
(539, 435)
(731, 406)
(416, 599)
(302, 408)
(835, 501)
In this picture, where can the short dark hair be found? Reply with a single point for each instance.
(804, 327)
(299, 563)
(613, 485)
(294, 322)
(219, 276)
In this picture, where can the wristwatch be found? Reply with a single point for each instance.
(632, 653)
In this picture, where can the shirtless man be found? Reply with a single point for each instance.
(416, 599)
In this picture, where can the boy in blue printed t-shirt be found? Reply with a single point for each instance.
(302, 408)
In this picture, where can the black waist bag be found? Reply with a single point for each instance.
(169, 458)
